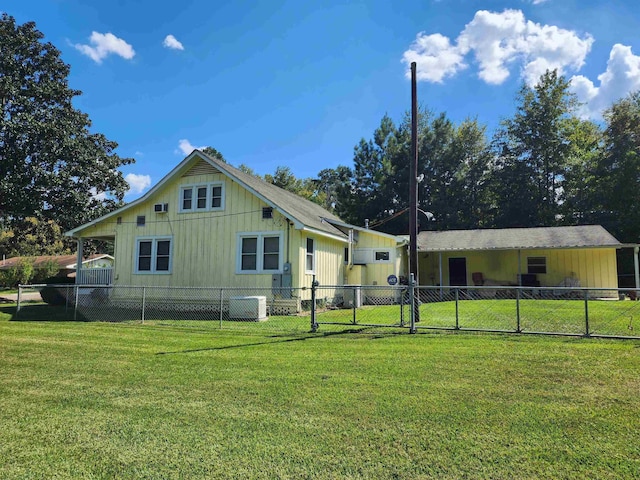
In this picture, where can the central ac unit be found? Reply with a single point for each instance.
(248, 308)
(161, 207)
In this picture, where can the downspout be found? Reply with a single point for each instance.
(79, 258)
(519, 268)
(635, 267)
(288, 240)
(440, 268)
(350, 249)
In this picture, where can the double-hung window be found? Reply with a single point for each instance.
(310, 265)
(259, 252)
(153, 255)
(536, 265)
(202, 197)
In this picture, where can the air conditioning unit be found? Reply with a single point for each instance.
(161, 207)
(248, 308)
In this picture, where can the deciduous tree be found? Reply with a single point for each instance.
(52, 166)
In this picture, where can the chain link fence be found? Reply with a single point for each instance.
(563, 311)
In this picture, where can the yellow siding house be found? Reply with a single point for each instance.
(209, 224)
(579, 256)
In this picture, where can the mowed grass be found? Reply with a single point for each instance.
(105, 400)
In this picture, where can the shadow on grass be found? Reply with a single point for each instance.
(41, 312)
(279, 339)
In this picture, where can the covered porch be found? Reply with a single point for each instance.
(91, 274)
(581, 256)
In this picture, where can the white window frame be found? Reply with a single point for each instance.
(260, 236)
(154, 255)
(537, 264)
(312, 256)
(382, 250)
(194, 197)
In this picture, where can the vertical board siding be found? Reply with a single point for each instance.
(377, 273)
(204, 247)
(329, 261)
(594, 267)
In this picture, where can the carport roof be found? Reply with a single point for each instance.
(584, 236)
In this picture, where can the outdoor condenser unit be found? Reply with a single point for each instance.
(248, 308)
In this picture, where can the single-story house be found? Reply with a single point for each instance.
(207, 223)
(66, 263)
(582, 256)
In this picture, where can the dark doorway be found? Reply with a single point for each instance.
(457, 272)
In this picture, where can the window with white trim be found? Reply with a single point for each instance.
(153, 255)
(259, 252)
(203, 197)
(310, 264)
(536, 265)
(381, 256)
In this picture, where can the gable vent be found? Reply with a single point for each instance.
(201, 168)
(267, 212)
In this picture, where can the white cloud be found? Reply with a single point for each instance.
(538, 2)
(98, 196)
(621, 77)
(171, 42)
(137, 183)
(435, 57)
(185, 147)
(498, 40)
(104, 44)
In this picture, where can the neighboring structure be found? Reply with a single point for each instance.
(207, 223)
(547, 256)
(66, 263)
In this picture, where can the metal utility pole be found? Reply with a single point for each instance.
(413, 186)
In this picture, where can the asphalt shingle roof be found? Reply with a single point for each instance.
(304, 211)
(584, 236)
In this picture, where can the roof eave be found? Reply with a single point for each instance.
(154, 189)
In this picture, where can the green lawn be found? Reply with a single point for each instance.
(111, 400)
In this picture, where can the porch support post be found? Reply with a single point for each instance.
(79, 258)
(519, 268)
(440, 268)
(635, 266)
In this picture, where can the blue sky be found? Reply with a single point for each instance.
(300, 83)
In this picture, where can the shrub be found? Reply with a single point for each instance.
(22, 273)
(47, 270)
(55, 295)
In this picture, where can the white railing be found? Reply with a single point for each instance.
(94, 276)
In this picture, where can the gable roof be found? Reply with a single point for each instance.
(585, 236)
(63, 261)
(304, 214)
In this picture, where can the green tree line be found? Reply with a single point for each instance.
(544, 166)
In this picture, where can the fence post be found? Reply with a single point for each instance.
(144, 298)
(402, 307)
(412, 299)
(518, 329)
(66, 300)
(75, 303)
(457, 292)
(19, 300)
(586, 313)
(355, 303)
(314, 285)
(221, 301)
